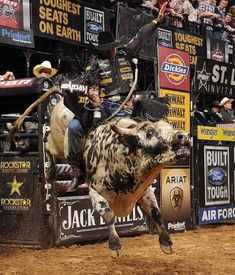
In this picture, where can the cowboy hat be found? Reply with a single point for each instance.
(106, 41)
(215, 103)
(225, 100)
(44, 65)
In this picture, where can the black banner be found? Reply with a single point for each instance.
(217, 175)
(78, 221)
(213, 77)
(17, 184)
(164, 37)
(194, 45)
(215, 186)
(217, 50)
(67, 21)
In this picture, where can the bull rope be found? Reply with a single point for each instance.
(19, 121)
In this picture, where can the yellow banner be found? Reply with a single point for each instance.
(179, 111)
(215, 133)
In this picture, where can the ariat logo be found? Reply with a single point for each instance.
(176, 199)
(175, 69)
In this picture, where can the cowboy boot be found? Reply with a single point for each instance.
(78, 177)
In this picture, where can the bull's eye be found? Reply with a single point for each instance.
(149, 134)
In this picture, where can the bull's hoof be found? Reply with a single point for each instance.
(116, 253)
(167, 249)
(165, 243)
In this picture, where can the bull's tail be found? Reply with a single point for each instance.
(19, 121)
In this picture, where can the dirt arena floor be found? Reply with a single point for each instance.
(209, 250)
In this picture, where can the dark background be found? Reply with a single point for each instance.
(231, 2)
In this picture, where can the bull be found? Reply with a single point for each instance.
(122, 158)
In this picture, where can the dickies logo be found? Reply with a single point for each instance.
(175, 69)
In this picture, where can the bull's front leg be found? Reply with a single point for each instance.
(149, 204)
(101, 205)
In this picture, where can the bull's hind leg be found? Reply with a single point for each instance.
(149, 204)
(101, 205)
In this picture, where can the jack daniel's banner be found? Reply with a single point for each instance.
(78, 221)
(68, 21)
(213, 77)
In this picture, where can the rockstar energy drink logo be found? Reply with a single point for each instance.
(175, 69)
(176, 199)
(15, 166)
(15, 203)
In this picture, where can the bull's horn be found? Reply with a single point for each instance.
(124, 131)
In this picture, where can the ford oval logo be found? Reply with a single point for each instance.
(165, 44)
(94, 27)
(217, 176)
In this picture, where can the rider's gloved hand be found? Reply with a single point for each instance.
(94, 96)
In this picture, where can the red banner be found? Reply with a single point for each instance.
(174, 69)
(11, 14)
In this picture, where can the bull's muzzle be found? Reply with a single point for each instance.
(181, 144)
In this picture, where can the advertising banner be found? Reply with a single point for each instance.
(216, 175)
(179, 110)
(164, 37)
(78, 220)
(216, 214)
(215, 133)
(213, 77)
(194, 45)
(67, 21)
(174, 69)
(16, 184)
(175, 198)
(217, 49)
(15, 23)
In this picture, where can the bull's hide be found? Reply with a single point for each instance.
(57, 143)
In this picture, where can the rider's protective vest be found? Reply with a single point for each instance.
(115, 74)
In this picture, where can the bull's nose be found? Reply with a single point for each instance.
(180, 138)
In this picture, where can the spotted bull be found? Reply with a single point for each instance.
(122, 159)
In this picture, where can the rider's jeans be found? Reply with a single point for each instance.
(75, 141)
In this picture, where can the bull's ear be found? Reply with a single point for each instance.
(124, 131)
